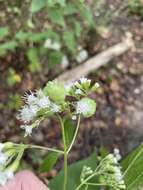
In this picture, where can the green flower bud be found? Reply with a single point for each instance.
(86, 106)
(55, 91)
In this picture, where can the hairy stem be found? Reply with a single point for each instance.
(65, 154)
(30, 146)
(75, 135)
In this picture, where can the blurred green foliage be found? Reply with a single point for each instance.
(65, 22)
(136, 7)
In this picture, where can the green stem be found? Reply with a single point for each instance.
(95, 184)
(100, 184)
(65, 154)
(75, 134)
(30, 146)
(85, 181)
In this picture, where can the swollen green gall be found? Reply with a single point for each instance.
(86, 107)
(55, 91)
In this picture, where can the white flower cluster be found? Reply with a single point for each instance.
(52, 99)
(5, 175)
(111, 173)
(35, 103)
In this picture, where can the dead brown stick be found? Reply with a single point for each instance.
(97, 61)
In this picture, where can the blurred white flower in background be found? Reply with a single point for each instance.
(82, 56)
(50, 44)
(65, 62)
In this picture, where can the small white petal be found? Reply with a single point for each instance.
(43, 102)
(28, 129)
(31, 99)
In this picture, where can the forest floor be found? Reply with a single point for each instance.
(119, 117)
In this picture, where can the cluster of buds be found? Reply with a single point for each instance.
(86, 171)
(54, 99)
(111, 174)
(10, 157)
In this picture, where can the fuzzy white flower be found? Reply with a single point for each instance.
(86, 107)
(82, 56)
(30, 98)
(28, 130)
(27, 113)
(55, 108)
(43, 102)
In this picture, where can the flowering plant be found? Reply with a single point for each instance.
(58, 100)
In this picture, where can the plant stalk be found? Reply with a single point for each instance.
(65, 154)
(75, 135)
(30, 146)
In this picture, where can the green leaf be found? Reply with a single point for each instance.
(86, 13)
(78, 28)
(54, 58)
(10, 45)
(74, 172)
(69, 41)
(4, 31)
(69, 131)
(35, 64)
(56, 16)
(133, 169)
(52, 3)
(70, 9)
(37, 5)
(38, 37)
(49, 162)
(23, 36)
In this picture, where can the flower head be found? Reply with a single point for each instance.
(28, 129)
(43, 102)
(86, 106)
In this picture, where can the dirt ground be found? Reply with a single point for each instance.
(119, 117)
